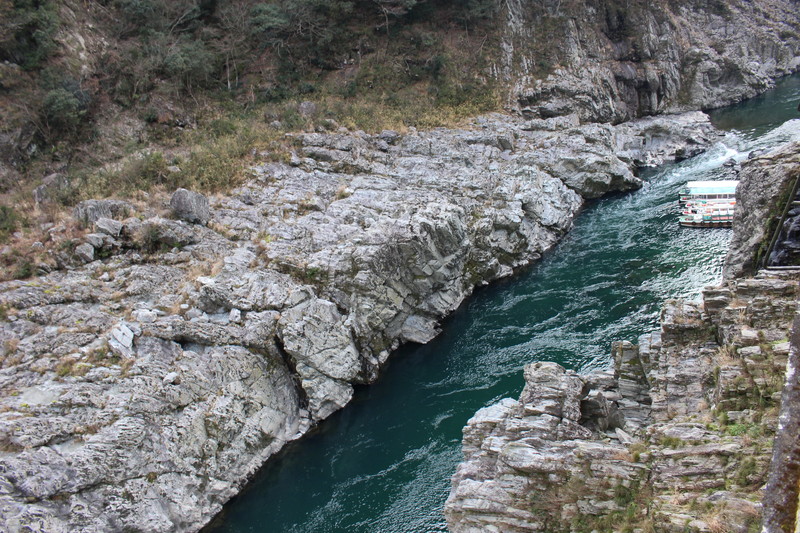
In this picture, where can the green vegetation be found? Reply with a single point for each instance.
(27, 28)
(24, 269)
(294, 46)
(212, 81)
(746, 470)
(9, 221)
(671, 442)
(62, 111)
(754, 430)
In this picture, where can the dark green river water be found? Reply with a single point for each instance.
(383, 464)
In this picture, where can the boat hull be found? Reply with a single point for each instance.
(706, 223)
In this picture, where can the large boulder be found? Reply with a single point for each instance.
(190, 206)
(90, 211)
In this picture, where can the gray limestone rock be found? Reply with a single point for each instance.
(52, 186)
(108, 226)
(89, 211)
(153, 384)
(190, 206)
(160, 234)
(85, 252)
(650, 59)
(307, 108)
(95, 239)
(763, 183)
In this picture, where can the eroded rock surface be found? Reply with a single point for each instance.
(677, 438)
(764, 187)
(616, 61)
(141, 387)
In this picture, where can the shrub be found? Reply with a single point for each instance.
(26, 32)
(137, 15)
(24, 269)
(191, 62)
(217, 165)
(62, 111)
(747, 468)
(270, 24)
(9, 219)
(221, 126)
(318, 30)
(476, 10)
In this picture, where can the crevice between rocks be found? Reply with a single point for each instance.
(291, 364)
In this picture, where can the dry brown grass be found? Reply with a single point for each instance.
(623, 455)
(10, 345)
(202, 269)
(726, 355)
(42, 234)
(717, 524)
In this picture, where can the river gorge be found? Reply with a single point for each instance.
(384, 463)
(312, 340)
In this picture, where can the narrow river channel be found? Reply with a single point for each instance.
(383, 464)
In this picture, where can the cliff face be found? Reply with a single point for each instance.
(761, 195)
(782, 492)
(140, 391)
(144, 382)
(677, 438)
(612, 61)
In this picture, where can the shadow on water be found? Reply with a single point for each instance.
(384, 463)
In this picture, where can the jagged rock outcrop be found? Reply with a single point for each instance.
(782, 492)
(678, 438)
(762, 192)
(140, 390)
(612, 61)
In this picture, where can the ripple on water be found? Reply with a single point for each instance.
(383, 465)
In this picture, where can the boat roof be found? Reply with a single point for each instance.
(712, 187)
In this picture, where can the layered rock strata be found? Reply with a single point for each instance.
(614, 61)
(761, 197)
(678, 437)
(141, 386)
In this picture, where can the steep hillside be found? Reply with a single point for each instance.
(89, 89)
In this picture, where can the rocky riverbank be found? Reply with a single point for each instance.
(184, 344)
(678, 437)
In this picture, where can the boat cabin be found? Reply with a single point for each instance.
(724, 190)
